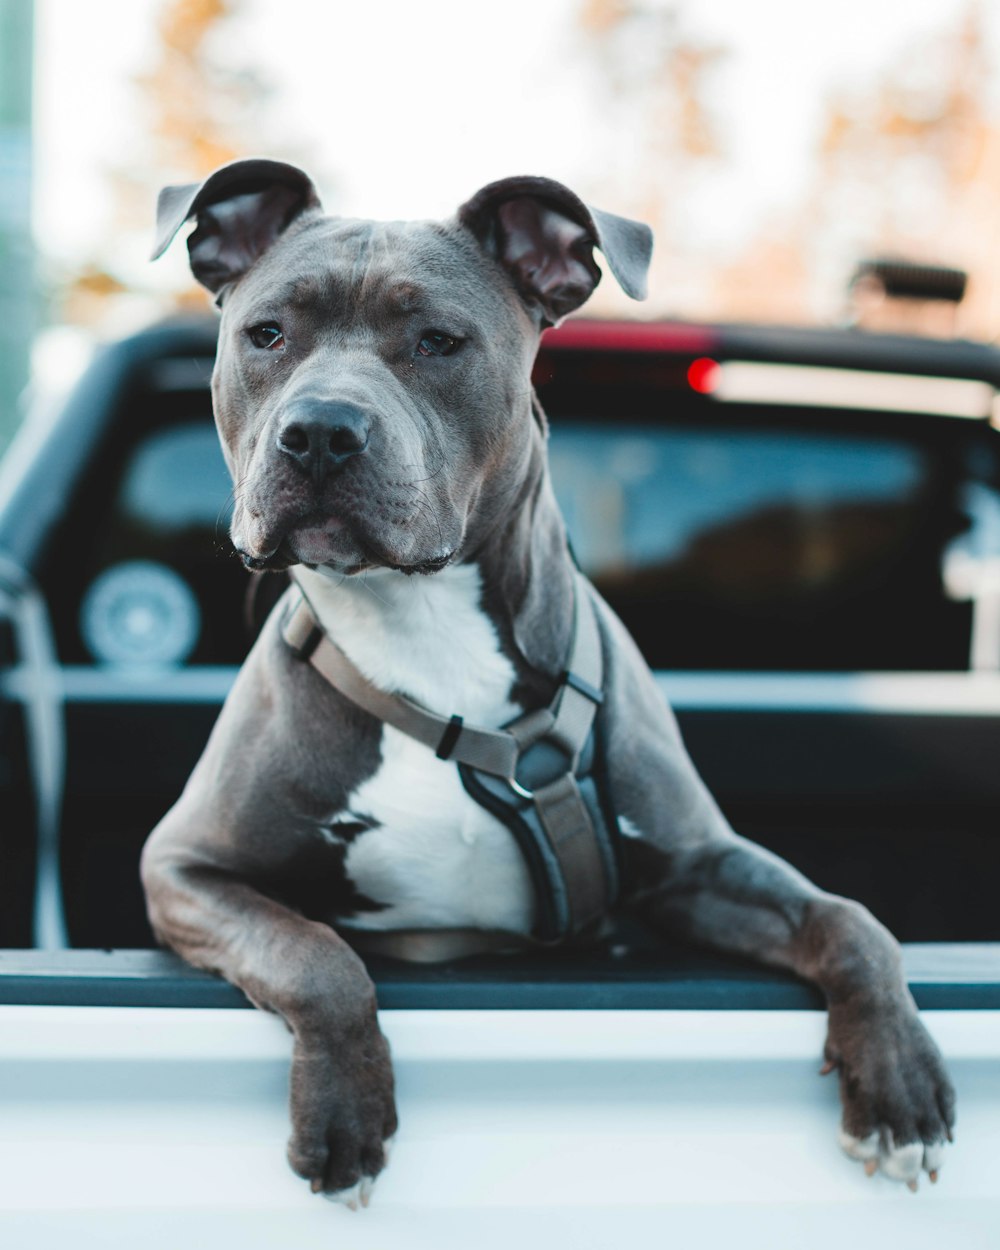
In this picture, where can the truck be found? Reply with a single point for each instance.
(801, 528)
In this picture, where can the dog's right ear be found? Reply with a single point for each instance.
(241, 209)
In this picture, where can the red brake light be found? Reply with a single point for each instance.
(703, 375)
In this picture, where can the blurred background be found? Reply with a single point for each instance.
(771, 145)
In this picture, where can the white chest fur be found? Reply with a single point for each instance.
(436, 858)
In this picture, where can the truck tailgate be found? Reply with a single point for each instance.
(160, 1126)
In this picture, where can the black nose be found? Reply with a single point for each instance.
(319, 436)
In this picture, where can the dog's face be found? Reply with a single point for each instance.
(372, 387)
(370, 379)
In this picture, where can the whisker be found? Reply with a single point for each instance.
(371, 590)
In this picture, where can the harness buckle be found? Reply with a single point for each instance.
(519, 790)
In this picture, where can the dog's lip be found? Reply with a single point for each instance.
(433, 564)
(302, 540)
(313, 540)
(365, 552)
(283, 557)
(271, 562)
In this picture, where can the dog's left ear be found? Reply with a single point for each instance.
(544, 236)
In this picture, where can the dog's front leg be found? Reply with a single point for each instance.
(690, 876)
(342, 1105)
(898, 1104)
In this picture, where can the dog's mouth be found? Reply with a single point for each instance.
(272, 563)
(433, 564)
(382, 532)
(365, 558)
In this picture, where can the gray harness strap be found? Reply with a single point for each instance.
(482, 748)
(535, 774)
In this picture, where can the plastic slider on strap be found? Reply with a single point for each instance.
(302, 632)
(450, 736)
(312, 641)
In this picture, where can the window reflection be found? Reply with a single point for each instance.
(757, 548)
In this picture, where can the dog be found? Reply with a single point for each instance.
(443, 740)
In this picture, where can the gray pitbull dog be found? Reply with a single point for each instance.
(373, 397)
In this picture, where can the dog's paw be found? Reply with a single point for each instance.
(343, 1114)
(898, 1104)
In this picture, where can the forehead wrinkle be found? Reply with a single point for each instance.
(366, 245)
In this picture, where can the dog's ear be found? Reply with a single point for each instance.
(241, 209)
(544, 236)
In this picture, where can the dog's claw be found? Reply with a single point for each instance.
(913, 1186)
(827, 1068)
(933, 1176)
(871, 1167)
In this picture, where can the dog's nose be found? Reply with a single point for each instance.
(319, 436)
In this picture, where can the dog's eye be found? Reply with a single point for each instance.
(267, 335)
(437, 343)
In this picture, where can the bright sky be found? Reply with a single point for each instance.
(404, 109)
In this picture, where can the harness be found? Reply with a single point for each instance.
(539, 774)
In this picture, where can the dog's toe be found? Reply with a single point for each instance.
(933, 1158)
(350, 1198)
(879, 1153)
(902, 1163)
(864, 1149)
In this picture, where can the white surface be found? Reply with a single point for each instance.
(151, 1128)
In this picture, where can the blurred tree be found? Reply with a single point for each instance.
(658, 136)
(194, 101)
(907, 166)
(194, 104)
(916, 161)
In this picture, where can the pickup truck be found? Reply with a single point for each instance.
(802, 530)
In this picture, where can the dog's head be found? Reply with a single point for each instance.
(372, 387)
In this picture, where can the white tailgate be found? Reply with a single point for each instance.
(164, 1129)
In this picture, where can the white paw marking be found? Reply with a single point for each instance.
(359, 1194)
(349, 1198)
(903, 1163)
(934, 1156)
(860, 1148)
(898, 1163)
